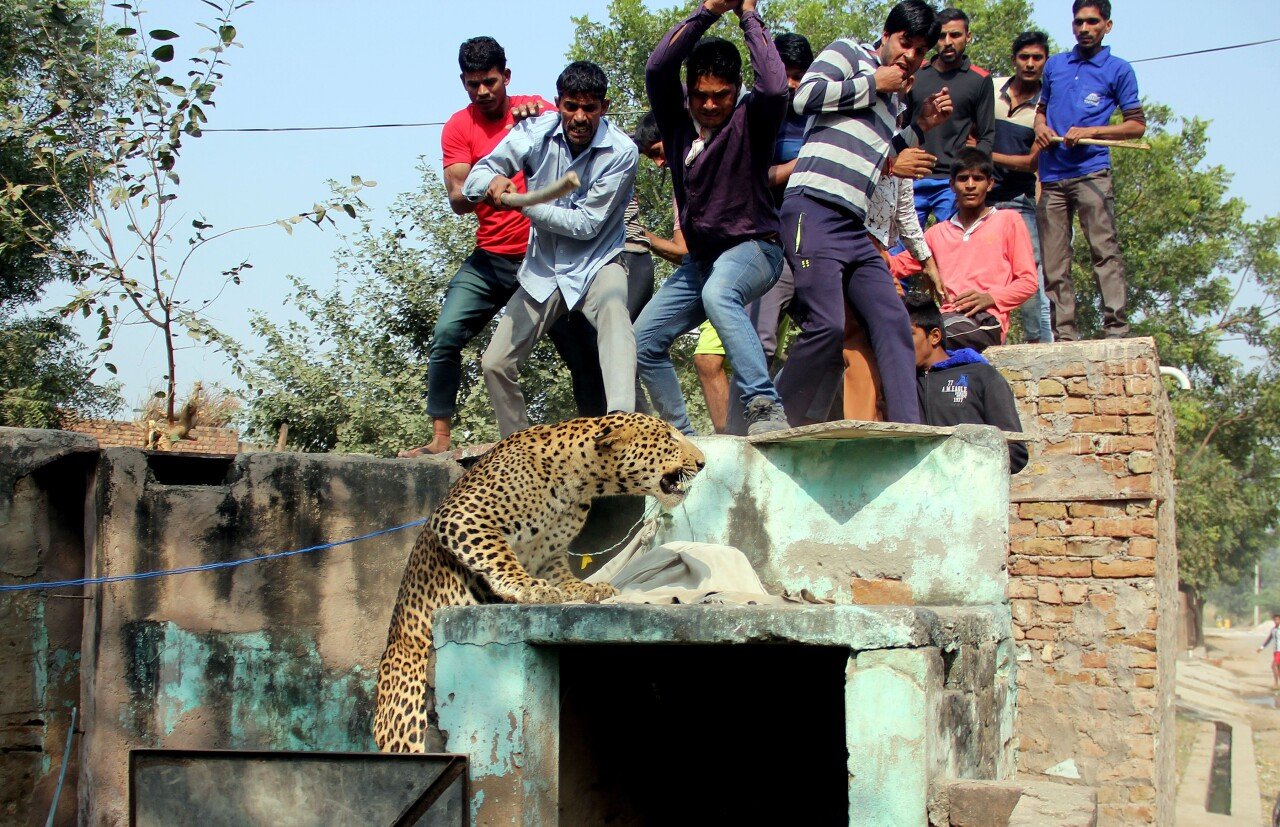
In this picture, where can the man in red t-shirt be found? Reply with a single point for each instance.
(487, 278)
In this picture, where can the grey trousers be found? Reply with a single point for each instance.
(1093, 199)
(526, 321)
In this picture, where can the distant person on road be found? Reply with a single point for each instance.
(1273, 640)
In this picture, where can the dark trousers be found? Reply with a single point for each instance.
(1092, 198)
(834, 261)
(482, 286)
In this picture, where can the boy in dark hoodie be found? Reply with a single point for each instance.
(959, 387)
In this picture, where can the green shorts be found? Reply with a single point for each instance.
(708, 341)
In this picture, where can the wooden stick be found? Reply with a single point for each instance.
(1057, 139)
(562, 186)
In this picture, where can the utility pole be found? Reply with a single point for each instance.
(1257, 590)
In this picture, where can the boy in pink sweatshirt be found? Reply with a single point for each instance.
(984, 256)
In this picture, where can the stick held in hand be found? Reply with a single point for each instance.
(1057, 139)
(562, 186)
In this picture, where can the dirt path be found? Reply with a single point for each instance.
(1236, 651)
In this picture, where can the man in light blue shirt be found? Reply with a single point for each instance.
(574, 250)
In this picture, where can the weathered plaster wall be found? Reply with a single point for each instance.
(273, 655)
(926, 694)
(923, 507)
(1093, 572)
(43, 479)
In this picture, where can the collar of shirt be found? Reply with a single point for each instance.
(964, 66)
(1097, 60)
(1031, 101)
(964, 234)
(705, 134)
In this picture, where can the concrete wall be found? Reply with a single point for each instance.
(43, 479)
(923, 508)
(1093, 572)
(273, 655)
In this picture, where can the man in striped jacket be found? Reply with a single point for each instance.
(852, 93)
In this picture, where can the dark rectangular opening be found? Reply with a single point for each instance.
(189, 469)
(698, 734)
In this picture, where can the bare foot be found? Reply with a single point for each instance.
(436, 446)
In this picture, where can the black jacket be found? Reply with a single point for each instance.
(973, 99)
(965, 390)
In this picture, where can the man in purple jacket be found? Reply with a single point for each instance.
(719, 150)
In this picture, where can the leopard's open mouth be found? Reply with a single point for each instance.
(673, 483)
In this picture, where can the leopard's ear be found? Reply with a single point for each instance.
(612, 435)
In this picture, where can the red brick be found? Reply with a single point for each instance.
(1051, 387)
(1041, 633)
(1052, 511)
(1074, 593)
(1091, 547)
(1020, 588)
(1123, 405)
(1138, 365)
(1144, 526)
(1124, 568)
(1077, 528)
(1048, 593)
(1121, 527)
(1103, 602)
(1075, 444)
(1138, 385)
(1040, 547)
(1065, 568)
(1022, 528)
(1143, 660)
(881, 592)
(1066, 404)
(1055, 614)
(1093, 660)
(1069, 369)
(1142, 547)
(1141, 425)
(1098, 424)
(1022, 567)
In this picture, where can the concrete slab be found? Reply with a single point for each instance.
(853, 627)
(814, 509)
(1063, 805)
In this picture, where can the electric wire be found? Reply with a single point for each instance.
(260, 129)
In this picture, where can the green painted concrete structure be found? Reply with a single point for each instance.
(921, 693)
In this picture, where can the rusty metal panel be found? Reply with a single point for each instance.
(230, 788)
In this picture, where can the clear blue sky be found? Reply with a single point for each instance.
(325, 62)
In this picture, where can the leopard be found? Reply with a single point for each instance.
(500, 536)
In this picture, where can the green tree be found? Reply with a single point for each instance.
(107, 166)
(45, 376)
(353, 377)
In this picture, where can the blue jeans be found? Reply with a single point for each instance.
(1035, 310)
(934, 195)
(719, 290)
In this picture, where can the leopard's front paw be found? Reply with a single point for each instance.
(540, 591)
(587, 592)
(599, 591)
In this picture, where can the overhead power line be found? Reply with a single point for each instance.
(441, 123)
(1207, 51)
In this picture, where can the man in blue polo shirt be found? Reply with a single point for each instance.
(1082, 88)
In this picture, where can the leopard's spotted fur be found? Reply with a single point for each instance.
(499, 536)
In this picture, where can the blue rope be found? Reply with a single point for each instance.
(226, 564)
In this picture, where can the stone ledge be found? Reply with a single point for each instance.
(855, 627)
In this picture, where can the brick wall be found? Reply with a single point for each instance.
(113, 434)
(1093, 572)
